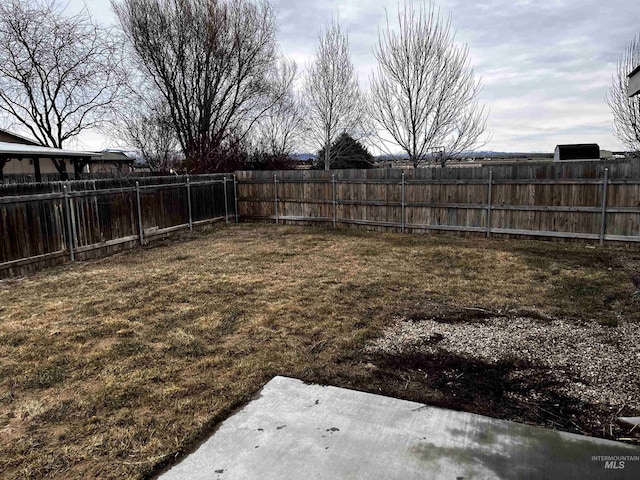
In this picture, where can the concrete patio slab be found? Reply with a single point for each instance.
(293, 430)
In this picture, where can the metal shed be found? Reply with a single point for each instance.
(578, 151)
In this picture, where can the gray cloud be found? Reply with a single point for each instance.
(545, 65)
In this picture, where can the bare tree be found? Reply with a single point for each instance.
(625, 109)
(278, 131)
(146, 127)
(332, 93)
(424, 95)
(211, 60)
(59, 75)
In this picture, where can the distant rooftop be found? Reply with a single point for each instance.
(11, 137)
(112, 156)
(22, 150)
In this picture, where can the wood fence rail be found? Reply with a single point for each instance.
(42, 229)
(578, 201)
(47, 224)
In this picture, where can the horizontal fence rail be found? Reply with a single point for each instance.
(72, 221)
(51, 223)
(577, 201)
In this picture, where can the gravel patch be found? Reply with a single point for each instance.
(593, 363)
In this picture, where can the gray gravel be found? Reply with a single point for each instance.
(594, 363)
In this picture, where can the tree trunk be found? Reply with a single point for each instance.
(327, 156)
(36, 169)
(61, 166)
(78, 166)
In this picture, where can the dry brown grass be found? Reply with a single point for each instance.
(113, 368)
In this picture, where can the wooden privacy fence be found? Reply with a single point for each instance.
(590, 201)
(93, 218)
(18, 178)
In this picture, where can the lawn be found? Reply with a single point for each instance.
(117, 367)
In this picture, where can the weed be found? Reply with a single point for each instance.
(47, 374)
(13, 338)
(608, 321)
(127, 348)
(229, 321)
(183, 344)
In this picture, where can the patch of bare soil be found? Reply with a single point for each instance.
(520, 365)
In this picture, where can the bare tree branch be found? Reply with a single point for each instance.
(145, 125)
(626, 111)
(423, 94)
(211, 60)
(332, 94)
(59, 75)
(279, 130)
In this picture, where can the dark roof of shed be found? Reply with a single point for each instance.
(634, 71)
(578, 145)
(578, 151)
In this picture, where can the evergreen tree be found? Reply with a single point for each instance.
(346, 152)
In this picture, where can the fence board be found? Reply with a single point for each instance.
(34, 228)
(535, 200)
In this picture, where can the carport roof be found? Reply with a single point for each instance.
(17, 150)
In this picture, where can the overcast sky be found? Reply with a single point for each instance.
(545, 65)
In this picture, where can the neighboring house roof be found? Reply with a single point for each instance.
(115, 156)
(18, 150)
(10, 137)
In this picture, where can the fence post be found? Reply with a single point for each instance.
(603, 215)
(275, 194)
(67, 206)
(235, 194)
(140, 229)
(489, 203)
(226, 203)
(213, 200)
(333, 195)
(402, 202)
(189, 203)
